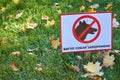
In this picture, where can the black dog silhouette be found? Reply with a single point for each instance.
(81, 27)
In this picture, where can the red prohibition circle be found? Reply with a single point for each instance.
(94, 21)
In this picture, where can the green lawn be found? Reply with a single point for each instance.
(52, 61)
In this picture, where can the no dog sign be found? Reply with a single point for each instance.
(86, 32)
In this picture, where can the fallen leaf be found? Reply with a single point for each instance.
(13, 66)
(33, 49)
(56, 4)
(108, 61)
(93, 70)
(16, 1)
(31, 53)
(55, 43)
(31, 25)
(115, 51)
(10, 16)
(50, 23)
(39, 67)
(16, 53)
(45, 17)
(72, 67)
(59, 11)
(109, 6)
(99, 54)
(3, 9)
(23, 29)
(94, 6)
(89, 0)
(87, 54)
(4, 40)
(70, 6)
(82, 8)
(19, 15)
(91, 10)
(115, 23)
(29, 19)
(79, 57)
(6, 27)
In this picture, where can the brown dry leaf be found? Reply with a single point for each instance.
(13, 66)
(3, 9)
(108, 60)
(16, 53)
(93, 70)
(91, 10)
(55, 43)
(31, 25)
(72, 67)
(50, 23)
(19, 15)
(87, 54)
(109, 6)
(4, 40)
(45, 17)
(82, 8)
(16, 1)
(23, 29)
(10, 16)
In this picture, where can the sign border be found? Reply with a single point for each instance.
(86, 50)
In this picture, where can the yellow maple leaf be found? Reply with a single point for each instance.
(13, 66)
(108, 60)
(82, 8)
(91, 10)
(55, 43)
(23, 29)
(109, 6)
(50, 23)
(93, 69)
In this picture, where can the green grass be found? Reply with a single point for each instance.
(53, 63)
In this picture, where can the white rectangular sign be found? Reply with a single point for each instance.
(86, 32)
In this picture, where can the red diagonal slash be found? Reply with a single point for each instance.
(86, 30)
